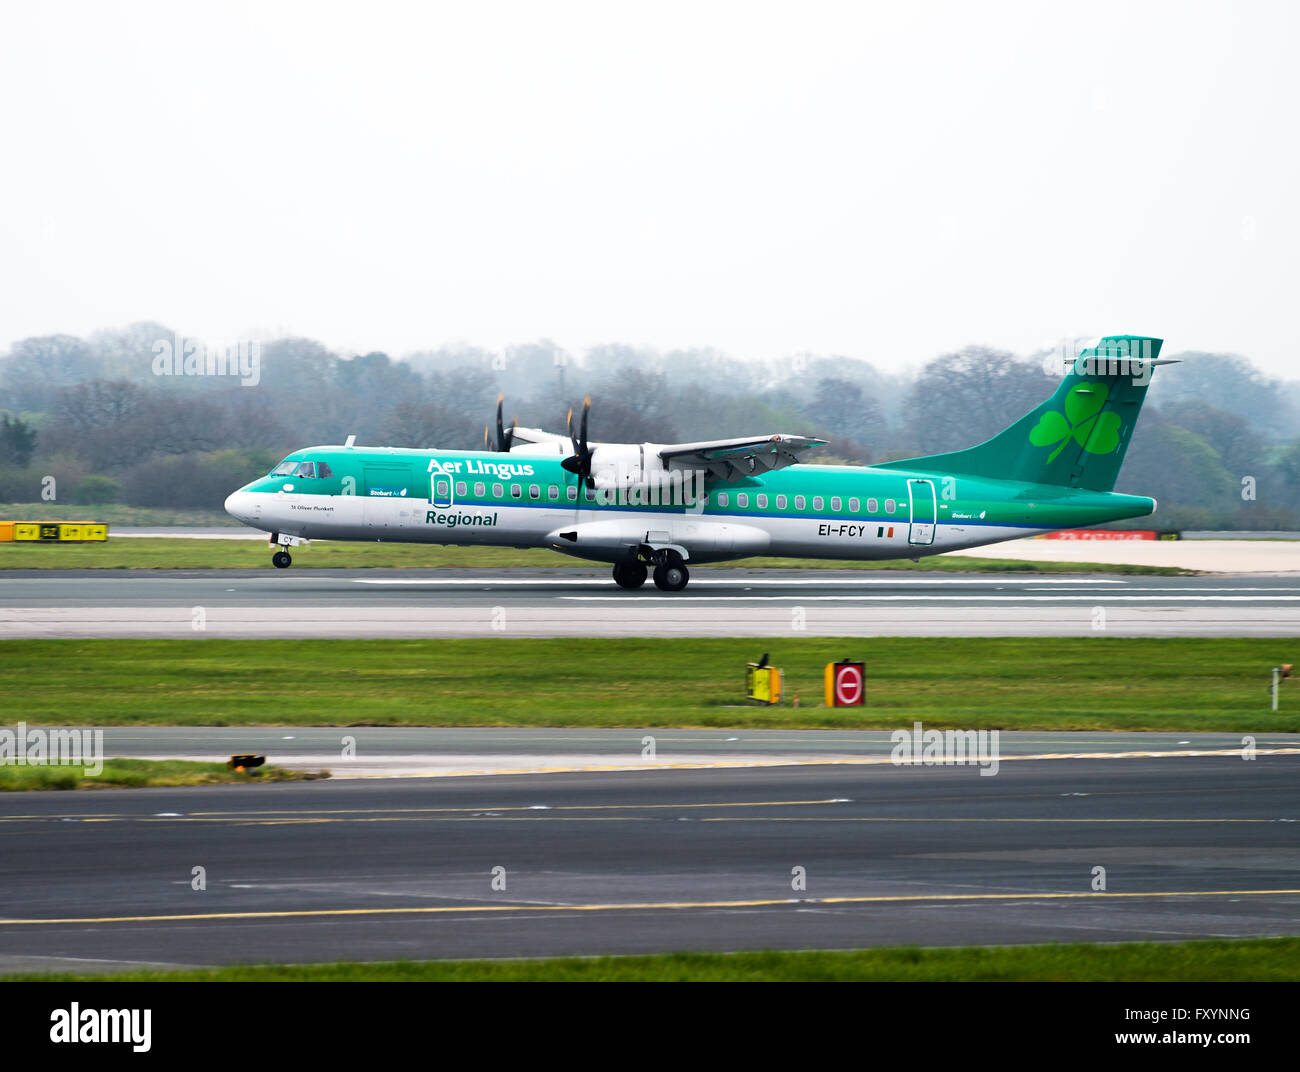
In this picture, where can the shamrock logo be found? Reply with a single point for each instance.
(1096, 432)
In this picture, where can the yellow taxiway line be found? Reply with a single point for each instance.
(645, 906)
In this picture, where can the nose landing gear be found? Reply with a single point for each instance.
(282, 559)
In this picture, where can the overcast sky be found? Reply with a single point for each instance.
(886, 181)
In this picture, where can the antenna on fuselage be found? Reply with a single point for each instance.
(351, 441)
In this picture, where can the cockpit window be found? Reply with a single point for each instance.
(323, 471)
(284, 469)
(307, 469)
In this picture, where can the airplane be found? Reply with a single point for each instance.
(649, 509)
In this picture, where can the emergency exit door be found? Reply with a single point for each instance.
(920, 494)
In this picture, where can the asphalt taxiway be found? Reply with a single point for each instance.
(579, 602)
(422, 751)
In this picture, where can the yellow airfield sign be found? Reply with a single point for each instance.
(763, 683)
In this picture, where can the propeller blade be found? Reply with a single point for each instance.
(579, 461)
(586, 450)
(501, 432)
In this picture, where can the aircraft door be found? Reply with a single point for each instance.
(921, 498)
(388, 496)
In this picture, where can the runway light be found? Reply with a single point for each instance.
(241, 763)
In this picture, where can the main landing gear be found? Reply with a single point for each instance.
(672, 575)
(281, 560)
(630, 575)
(670, 572)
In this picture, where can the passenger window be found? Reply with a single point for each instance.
(534, 492)
(818, 502)
(723, 498)
(872, 506)
(460, 488)
(552, 493)
(854, 506)
(762, 502)
(516, 492)
(590, 495)
(479, 490)
(799, 502)
(573, 494)
(742, 499)
(889, 506)
(780, 502)
(324, 471)
(496, 490)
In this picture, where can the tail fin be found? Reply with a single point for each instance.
(1079, 436)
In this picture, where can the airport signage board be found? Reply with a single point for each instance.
(846, 684)
(763, 683)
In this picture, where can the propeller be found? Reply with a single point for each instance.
(504, 438)
(580, 460)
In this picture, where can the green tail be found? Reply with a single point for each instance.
(1079, 436)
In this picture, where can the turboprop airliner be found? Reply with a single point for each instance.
(652, 508)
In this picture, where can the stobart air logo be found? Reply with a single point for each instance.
(1083, 421)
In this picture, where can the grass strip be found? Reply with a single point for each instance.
(142, 773)
(1048, 683)
(149, 552)
(1240, 960)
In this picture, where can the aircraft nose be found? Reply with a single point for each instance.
(239, 505)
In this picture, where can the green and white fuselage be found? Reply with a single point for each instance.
(805, 511)
(1053, 469)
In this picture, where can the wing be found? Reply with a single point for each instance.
(730, 459)
(522, 438)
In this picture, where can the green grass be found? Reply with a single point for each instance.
(168, 553)
(1264, 959)
(139, 774)
(117, 514)
(1090, 683)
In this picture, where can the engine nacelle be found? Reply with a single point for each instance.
(702, 540)
(636, 474)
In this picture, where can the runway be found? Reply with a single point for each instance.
(581, 602)
(654, 861)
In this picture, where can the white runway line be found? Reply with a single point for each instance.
(665, 617)
(720, 582)
(952, 599)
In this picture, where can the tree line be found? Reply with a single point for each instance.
(1218, 443)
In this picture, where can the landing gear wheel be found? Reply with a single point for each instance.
(281, 560)
(630, 575)
(671, 576)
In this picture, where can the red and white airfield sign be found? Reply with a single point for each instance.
(846, 684)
